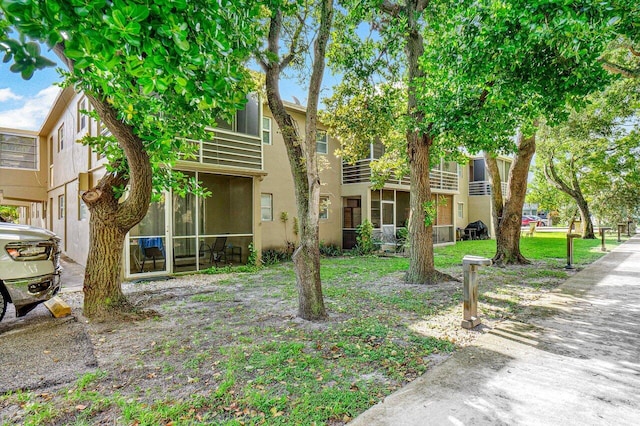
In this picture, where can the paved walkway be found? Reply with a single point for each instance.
(72, 275)
(576, 363)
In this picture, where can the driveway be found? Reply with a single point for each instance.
(44, 350)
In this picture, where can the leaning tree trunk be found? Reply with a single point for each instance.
(306, 182)
(111, 220)
(585, 216)
(508, 230)
(574, 191)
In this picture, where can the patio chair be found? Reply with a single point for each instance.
(151, 253)
(218, 250)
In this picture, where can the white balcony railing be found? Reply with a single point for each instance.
(360, 172)
(230, 149)
(483, 187)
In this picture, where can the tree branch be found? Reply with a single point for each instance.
(293, 47)
(422, 5)
(574, 177)
(390, 8)
(319, 54)
(58, 49)
(551, 174)
(619, 69)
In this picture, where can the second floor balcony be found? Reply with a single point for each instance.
(230, 149)
(442, 178)
(483, 187)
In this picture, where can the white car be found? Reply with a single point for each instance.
(29, 267)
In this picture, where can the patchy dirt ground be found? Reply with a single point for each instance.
(213, 333)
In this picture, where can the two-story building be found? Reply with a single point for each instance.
(244, 165)
(388, 208)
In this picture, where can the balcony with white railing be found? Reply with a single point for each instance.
(483, 187)
(360, 172)
(229, 149)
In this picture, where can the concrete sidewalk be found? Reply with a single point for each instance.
(577, 362)
(72, 275)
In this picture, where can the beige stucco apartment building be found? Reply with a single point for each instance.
(245, 166)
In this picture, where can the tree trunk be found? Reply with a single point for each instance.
(111, 220)
(421, 266)
(303, 161)
(508, 230)
(574, 191)
(102, 289)
(585, 216)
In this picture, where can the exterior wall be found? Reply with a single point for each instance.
(70, 161)
(69, 168)
(34, 214)
(461, 221)
(480, 209)
(19, 187)
(279, 183)
(480, 205)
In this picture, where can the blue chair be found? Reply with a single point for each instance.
(151, 248)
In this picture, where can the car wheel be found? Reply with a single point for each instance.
(3, 303)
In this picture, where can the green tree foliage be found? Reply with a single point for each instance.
(593, 156)
(541, 191)
(9, 213)
(154, 72)
(472, 74)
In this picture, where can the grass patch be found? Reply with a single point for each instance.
(219, 296)
(251, 362)
(543, 246)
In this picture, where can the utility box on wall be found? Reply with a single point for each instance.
(84, 181)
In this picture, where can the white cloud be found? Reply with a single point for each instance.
(8, 95)
(33, 111)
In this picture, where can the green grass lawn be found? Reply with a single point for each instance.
(247, 361)
(543, 246)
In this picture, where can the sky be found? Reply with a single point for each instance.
(24, 104)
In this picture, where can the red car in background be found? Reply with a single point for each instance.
(526, 220)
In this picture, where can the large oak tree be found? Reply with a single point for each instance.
(154, 72)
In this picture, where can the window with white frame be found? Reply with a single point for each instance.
(82, 119)
(460, 210)
(324, 207)
(266, 207)
(322, 147)
(61, 206)
(83, 212)
(61, 137)
(18, 152)
(266, 130)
